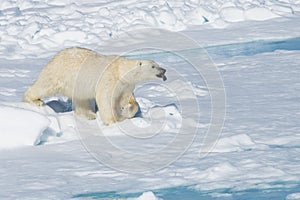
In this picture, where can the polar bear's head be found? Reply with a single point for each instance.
(135, 71)
(150, 70)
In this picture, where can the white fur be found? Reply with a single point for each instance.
(84, 75)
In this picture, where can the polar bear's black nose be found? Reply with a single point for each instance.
(161, 73)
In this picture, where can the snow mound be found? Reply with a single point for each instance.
(25, 125)
(220, 171)
(294, 196)
(29, 28)
(20, 127)
(240, 142)
(259, 14)
(147, 196)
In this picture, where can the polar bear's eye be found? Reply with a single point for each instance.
(140, 63)
(153, 66)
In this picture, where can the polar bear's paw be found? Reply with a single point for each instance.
(91, 115)
(86, 113)
(37, 103)
(108, 122)
(128, 111)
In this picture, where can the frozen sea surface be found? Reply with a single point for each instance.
(256, 157)
(29, 28)
(255, 47)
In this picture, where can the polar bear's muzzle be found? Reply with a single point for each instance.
(161, 73)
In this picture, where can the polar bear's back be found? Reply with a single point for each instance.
(72, 67)
(75, 58)
(66, 63)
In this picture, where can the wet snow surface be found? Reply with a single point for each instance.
(257, 155)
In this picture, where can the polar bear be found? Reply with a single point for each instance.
(84, 76)
(128, 107)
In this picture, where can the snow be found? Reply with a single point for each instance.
(259, 14)
(232, 14)
(30, 28)
(293, 196)
(48, 153)
(17, 129)
(147, 196)
(239, 142)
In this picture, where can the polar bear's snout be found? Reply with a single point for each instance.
(161, 73)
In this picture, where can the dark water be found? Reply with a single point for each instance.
(223, 51)
(252, 48)
(184, 193)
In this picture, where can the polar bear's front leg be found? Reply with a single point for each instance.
(107, 110)
(128, 106)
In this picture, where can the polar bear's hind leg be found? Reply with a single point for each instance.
(36, 92)
(84, 107)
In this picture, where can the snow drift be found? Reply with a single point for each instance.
(20, 127)
(30, 28)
